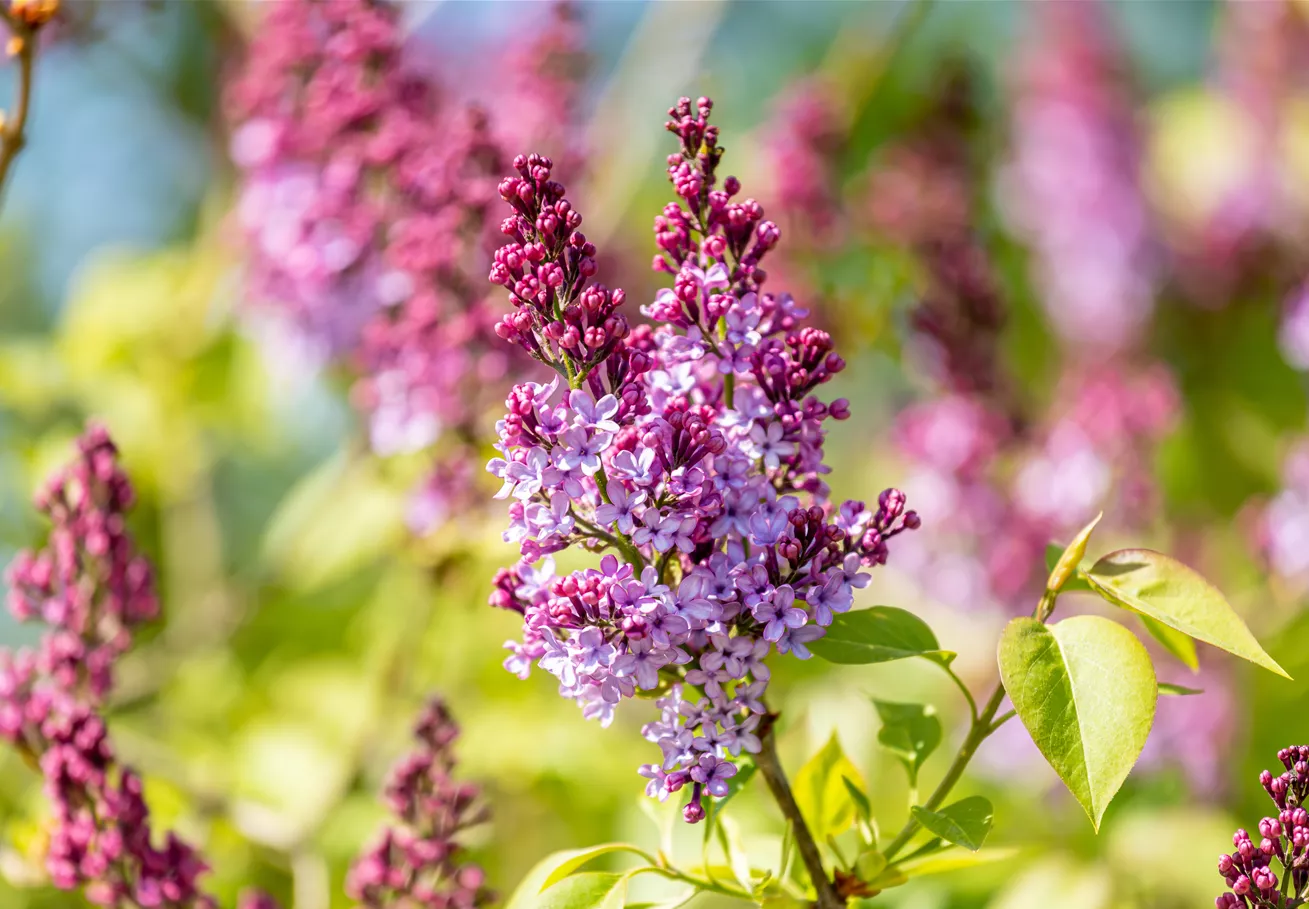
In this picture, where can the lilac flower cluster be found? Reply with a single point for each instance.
(418, 864)
(1072, 188)
(93, 589)
(1283, 836)
(693, 451)
(365, 204)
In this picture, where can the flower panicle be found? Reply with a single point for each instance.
(688, 454)
(419, 862)
(92, 588)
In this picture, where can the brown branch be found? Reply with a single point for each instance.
(771, 767)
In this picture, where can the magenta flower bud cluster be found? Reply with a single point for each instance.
(365, 205)
(419, 863)
(691, 451)
(92, 588)
(1282, 837)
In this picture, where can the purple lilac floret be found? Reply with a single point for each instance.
(691, 451)
(1283, 837)
(93, 589)
(419, 863)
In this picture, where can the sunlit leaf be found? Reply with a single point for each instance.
(569, 862)
(1085, 689)
(821, 792)
(964, 823)
(525, 895)
(878, 635)
(863, 812)
(952, 859)
(1176, 643)
(588, 890)
(1163, 588)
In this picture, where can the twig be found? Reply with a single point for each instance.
(771, 767)
(13, 129)
(977, 733)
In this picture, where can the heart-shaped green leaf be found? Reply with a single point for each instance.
(909, 731)
(965, 823)
(1163, 588)
(878, 635)
(589, 890)
(1086, 691)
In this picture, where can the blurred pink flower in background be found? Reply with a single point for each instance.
(1072, 187)
(364, 201)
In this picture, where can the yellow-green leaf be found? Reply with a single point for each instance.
(821, 792)
(1163, 588)
(1176, 643)
(589, 890)
(1086, 691)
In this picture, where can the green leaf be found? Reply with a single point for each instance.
(589, 890)
(951, 860)
(878, 635)
(863, 810)
(821, 792)
(1163, 588)
(909, 731)
(729, 838)
(526, 893)
(1085, 689)
(965, 823)
(1178, 690)
(1065, 567)
(676, 901)
(568, 862)
(1176, 643)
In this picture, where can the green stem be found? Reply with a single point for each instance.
(700, 883)
(625, 546)
(968, 695)
(977, 733)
